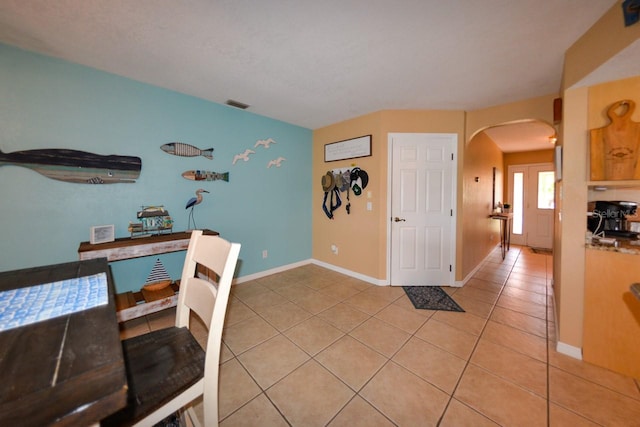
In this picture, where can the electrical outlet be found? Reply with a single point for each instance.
(334, 249)
(265, 254)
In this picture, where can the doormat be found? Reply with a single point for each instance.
(431, 298)
(542, 251)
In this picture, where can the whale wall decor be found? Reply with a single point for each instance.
(76, 166)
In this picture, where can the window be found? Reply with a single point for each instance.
(518, 202)
(546, 190)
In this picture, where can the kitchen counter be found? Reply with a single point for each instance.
(626, 246)
(611, 332)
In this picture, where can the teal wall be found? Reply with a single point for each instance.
(50, 103)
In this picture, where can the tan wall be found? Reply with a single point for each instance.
(361, 237)
(540, 108)
(528, 157)
(571, 220)
(357, 235)
(603, 41)
(606, 38)
(480, 233)
(523, 158)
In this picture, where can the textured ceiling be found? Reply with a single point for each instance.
(314, 63)
(523, 136)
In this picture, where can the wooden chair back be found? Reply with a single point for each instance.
(207, 295)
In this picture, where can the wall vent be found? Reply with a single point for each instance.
(237, 104)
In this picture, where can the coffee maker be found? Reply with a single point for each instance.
(610, 218)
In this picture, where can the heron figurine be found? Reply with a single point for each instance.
(191, 204)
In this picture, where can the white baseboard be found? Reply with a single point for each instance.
(265, 273)
(475, 270)
(282, 268)
(569, 350)
(566, 349)
(372, 280)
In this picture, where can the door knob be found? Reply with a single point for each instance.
(396, 219)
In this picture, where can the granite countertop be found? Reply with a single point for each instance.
(625, 247)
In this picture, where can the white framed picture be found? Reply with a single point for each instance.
(348, 149)
(101, 234)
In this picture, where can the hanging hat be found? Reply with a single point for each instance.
(364, 176)
(359, 180)
(328, 182)
(343, 180)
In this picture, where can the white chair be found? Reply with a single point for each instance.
(167, 369)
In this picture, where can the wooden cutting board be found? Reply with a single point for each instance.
(615, 147)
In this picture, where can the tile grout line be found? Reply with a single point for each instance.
(311, 357)
(468, 361)
(546, 318)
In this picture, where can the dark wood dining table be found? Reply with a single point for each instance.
(67, 370)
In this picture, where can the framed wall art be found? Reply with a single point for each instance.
(348, 149)
(101, 234)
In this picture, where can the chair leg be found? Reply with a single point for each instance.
(191, 418)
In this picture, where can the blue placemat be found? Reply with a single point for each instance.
(24, 306)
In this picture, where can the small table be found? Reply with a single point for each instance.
(505, 230)
(68, 370)
(133, 305)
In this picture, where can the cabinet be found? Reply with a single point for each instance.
(135, 304)
(611, 336)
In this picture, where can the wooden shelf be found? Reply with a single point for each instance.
(130, 305)
(128, 247)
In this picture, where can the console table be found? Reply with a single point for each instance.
(505, 230)
(136, 304)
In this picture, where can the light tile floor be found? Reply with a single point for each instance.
(312, 347)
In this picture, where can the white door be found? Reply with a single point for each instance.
(531, 193)
(422, 220)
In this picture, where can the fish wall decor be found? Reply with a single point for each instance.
(76, 166)
(198, 175)
(185, 150)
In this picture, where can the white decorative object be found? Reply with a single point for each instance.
(277, 162)
(243, 156)
(101, 234)
(264, 142)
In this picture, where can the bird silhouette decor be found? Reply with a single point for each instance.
(192, 204)
(276, 162)
(243, 156)
(264, 142)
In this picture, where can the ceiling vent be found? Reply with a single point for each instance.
(237, 104)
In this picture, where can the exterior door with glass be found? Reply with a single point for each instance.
(531, 193)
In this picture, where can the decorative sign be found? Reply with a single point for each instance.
(348, 149)
(101, 234)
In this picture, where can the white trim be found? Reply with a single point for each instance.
(372, 280)
(271, 271)
(476, 269)
(282, 268)
(569, 350)
(566, 349)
